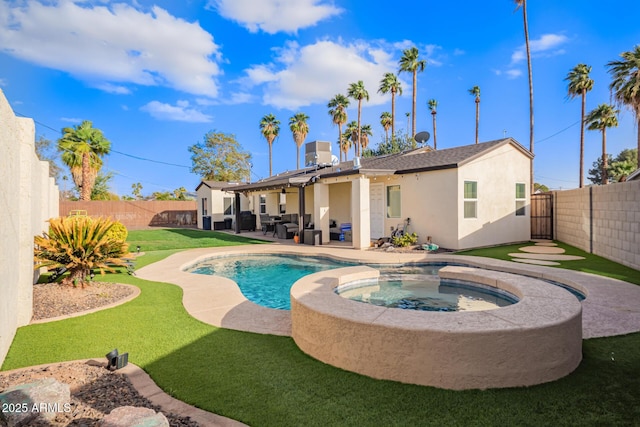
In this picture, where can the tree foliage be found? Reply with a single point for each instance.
(617, 168)
(398, 143)
(220, 158)
(101, 189)
(44, 148)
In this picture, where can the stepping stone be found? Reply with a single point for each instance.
(542, 250)
(547, 257)
(541, 241)
(535, 261)
(546, 244)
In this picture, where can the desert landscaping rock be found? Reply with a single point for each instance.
(41, 400)
(126, 416)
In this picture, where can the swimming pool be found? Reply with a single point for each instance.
(266, 279)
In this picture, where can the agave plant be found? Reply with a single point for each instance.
(79, 245)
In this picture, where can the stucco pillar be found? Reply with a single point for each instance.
(26, 233)
(360, 213)
(321, 210)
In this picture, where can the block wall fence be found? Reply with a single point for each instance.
(28, 198)
(603, 220)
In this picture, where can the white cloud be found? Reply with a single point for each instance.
(458, 52)
(272, 16)
(513, 73)
(546, 45)
(303, 75)
(178, 113)
(3, 82)
(117, 43)
(111, 88)
(71, 119)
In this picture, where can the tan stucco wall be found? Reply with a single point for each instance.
(28, 199)
(616, 220)
(215, 204)
(340, 202)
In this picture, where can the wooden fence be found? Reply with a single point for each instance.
(138, 214)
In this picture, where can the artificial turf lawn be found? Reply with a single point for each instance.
(591, 264)
(184, 238)
(265, 380)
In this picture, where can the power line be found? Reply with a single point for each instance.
(558, 133)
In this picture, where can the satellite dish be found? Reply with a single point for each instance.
(422, 137)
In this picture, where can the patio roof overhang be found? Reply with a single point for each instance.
(275, 184)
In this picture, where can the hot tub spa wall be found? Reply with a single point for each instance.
(534, 341)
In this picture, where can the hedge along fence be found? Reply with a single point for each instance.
(138, 214)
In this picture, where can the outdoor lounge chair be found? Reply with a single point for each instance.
(267, 223)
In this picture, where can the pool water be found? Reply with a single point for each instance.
(266, 279)
(426, 293)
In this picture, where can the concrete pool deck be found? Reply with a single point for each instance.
(612, 307)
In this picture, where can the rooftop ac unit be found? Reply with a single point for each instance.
(317, 153)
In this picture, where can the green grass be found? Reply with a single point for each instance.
(184, 238)
(265, 380)
(591, 264)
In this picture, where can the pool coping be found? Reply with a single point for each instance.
(612, 306)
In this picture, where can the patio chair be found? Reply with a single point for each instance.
(267, 223)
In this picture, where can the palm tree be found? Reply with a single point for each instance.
(408, 115)
(391, 83)
(579, 84)
(410, 63)
(433, 105)
(523, 4)
(475, 91)
(386, 120)
(602, 117)
(351, 134)
(338, 112)
(299, 128)
(83, 147)
(366, 133)
(626, 83)
(357, 91)
(345, 144)
(270, 128)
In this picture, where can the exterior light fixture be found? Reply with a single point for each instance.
(115, 360)
(138, 248)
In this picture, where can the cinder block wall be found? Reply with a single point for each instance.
(28, 198)
(609, 224)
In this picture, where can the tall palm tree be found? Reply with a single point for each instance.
(579, 84)
(475, 91)
(83, 147)
(391, 83)
(270, 128)
(410, 63)
(523, 4)
(386, 120)
(626, 82)
(357, 91)
(351, 134)
(366, 133)
(408, 115)
(338, 112)
(299, 128)
(602, 117)
(345, 144)
(433, 106)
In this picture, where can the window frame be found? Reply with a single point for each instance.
(232, 206)
(389, 199)
(522, 210)
(262, 203)
(205, 203)
(467, 201)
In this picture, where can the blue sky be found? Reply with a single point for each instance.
(155, 77)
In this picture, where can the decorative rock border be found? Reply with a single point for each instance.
(537, 340)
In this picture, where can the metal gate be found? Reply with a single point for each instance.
(542, 216)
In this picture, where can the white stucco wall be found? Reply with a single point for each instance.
(496, 173)
(28, 198)
(215, 204)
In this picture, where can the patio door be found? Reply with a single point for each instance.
(376, 209)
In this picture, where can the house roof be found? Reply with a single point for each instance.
(635, 175)
(217, 185)
(410, 161)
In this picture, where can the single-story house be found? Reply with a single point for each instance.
(216, 202)
(463, 197)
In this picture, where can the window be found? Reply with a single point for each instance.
(283, 203)
(229, 206)
(393, 201)
(470, 199)
(521, 199)
(263, 204)
(204, 206)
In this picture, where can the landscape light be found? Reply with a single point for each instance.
(115, 360)
(138, 248)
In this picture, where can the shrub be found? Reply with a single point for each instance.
(405, 240)
(79, 244)
(118, 232)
